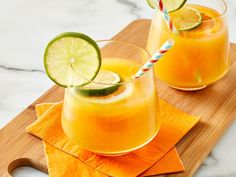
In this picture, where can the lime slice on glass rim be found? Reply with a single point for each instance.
(170, 5)
(72, 59)
(186, 18)
(105, 83)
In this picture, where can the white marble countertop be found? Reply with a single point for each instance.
(27, 25)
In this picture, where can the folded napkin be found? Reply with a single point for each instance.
(65, 158)
(61, 164)
(57, 167)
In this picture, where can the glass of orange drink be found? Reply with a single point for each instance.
(114, 114)
(200, 56)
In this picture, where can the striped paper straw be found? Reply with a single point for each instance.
(164, 48)
(166, 16)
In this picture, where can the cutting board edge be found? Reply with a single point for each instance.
(39, 100)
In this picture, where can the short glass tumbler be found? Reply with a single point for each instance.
(121, 121)
(200, 55)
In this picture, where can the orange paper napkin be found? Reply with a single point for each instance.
(57, 167)
(66, 158)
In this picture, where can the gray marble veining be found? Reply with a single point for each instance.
(134, 8)
(19, 69)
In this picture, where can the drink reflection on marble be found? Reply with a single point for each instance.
(200, 56)
(123, 120)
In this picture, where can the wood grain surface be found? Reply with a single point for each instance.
(216, 105)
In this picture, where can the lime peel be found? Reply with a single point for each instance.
(105, 83)
(72, 59)
(170, 5)
(187, 18)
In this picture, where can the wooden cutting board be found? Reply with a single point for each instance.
(215, 104)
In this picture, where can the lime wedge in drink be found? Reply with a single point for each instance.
(170, 5)
(121, 93)
(105, 83)
(72, 59)
(186, 18)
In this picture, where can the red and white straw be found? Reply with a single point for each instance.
(166, 16)
(164, 48)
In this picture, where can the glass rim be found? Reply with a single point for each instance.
(132, 79)
(125, 42)
(212, 19)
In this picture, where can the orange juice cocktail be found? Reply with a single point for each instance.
(117, 118)
(201, 54)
